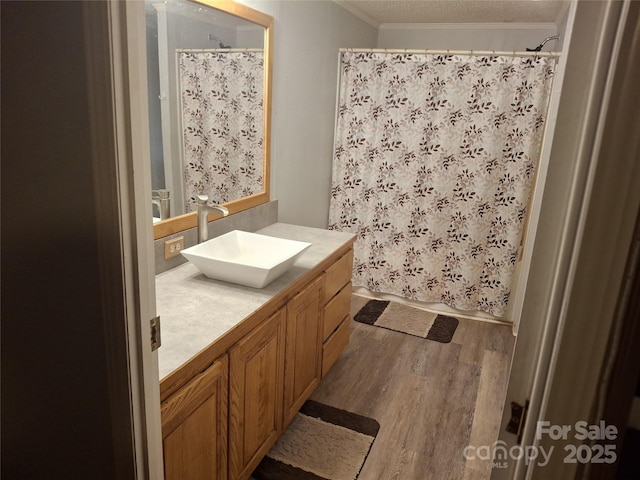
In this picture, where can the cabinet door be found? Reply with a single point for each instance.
(194, 427)
(303, 358)
(256, 366)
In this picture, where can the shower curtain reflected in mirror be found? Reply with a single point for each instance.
(434, 159)
(221, 93)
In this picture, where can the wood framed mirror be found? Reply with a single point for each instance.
(191, 155)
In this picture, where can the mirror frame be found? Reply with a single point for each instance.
(189, 220)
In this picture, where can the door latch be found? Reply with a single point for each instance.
(155, 333)
(518, 419)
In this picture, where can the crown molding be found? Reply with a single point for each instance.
(358, 13)
(467, 26)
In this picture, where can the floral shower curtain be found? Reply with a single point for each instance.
(221, 93)
(434, 160)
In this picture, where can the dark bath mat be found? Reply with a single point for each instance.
(321, 443)
(406, 319)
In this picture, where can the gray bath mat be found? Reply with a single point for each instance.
(406, 319)
(320, 443)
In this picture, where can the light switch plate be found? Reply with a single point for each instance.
(172, 247)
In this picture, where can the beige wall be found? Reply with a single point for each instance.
(500, 37)
(307, 36)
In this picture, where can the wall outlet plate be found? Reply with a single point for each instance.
(173, 247)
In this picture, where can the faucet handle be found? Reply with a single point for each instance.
(203, 201)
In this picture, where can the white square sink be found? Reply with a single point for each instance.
(245, 258)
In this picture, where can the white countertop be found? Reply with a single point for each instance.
(195, 310)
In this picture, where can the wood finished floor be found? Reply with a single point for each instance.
(431, 399)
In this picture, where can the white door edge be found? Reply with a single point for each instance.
(116, 51)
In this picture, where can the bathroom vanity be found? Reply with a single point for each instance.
(236, 363)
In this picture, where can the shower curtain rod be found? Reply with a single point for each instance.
(205, 50)
(451, 52)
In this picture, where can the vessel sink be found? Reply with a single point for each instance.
(245, 258)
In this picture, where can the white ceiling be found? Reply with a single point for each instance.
(377, 12)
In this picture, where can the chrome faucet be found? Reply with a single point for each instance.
(204, 207)
(162, 199)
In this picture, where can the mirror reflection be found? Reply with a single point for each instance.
(206, 71)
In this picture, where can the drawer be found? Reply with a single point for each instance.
(334, 346)
(338, 275)
(335, 311)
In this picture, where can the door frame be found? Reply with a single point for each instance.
(620, 378)
(121, 161)
(546, 354)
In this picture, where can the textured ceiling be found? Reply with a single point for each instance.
(377, 12)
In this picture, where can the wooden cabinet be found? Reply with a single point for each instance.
(303, 351)
(194, 427)
(256, 366)
(219, 424)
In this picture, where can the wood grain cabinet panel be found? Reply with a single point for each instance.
(335, 310)
(334, 345)
(303, 357)
(338, 275)
(336, 318)
(256, 366)
(194, 427)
